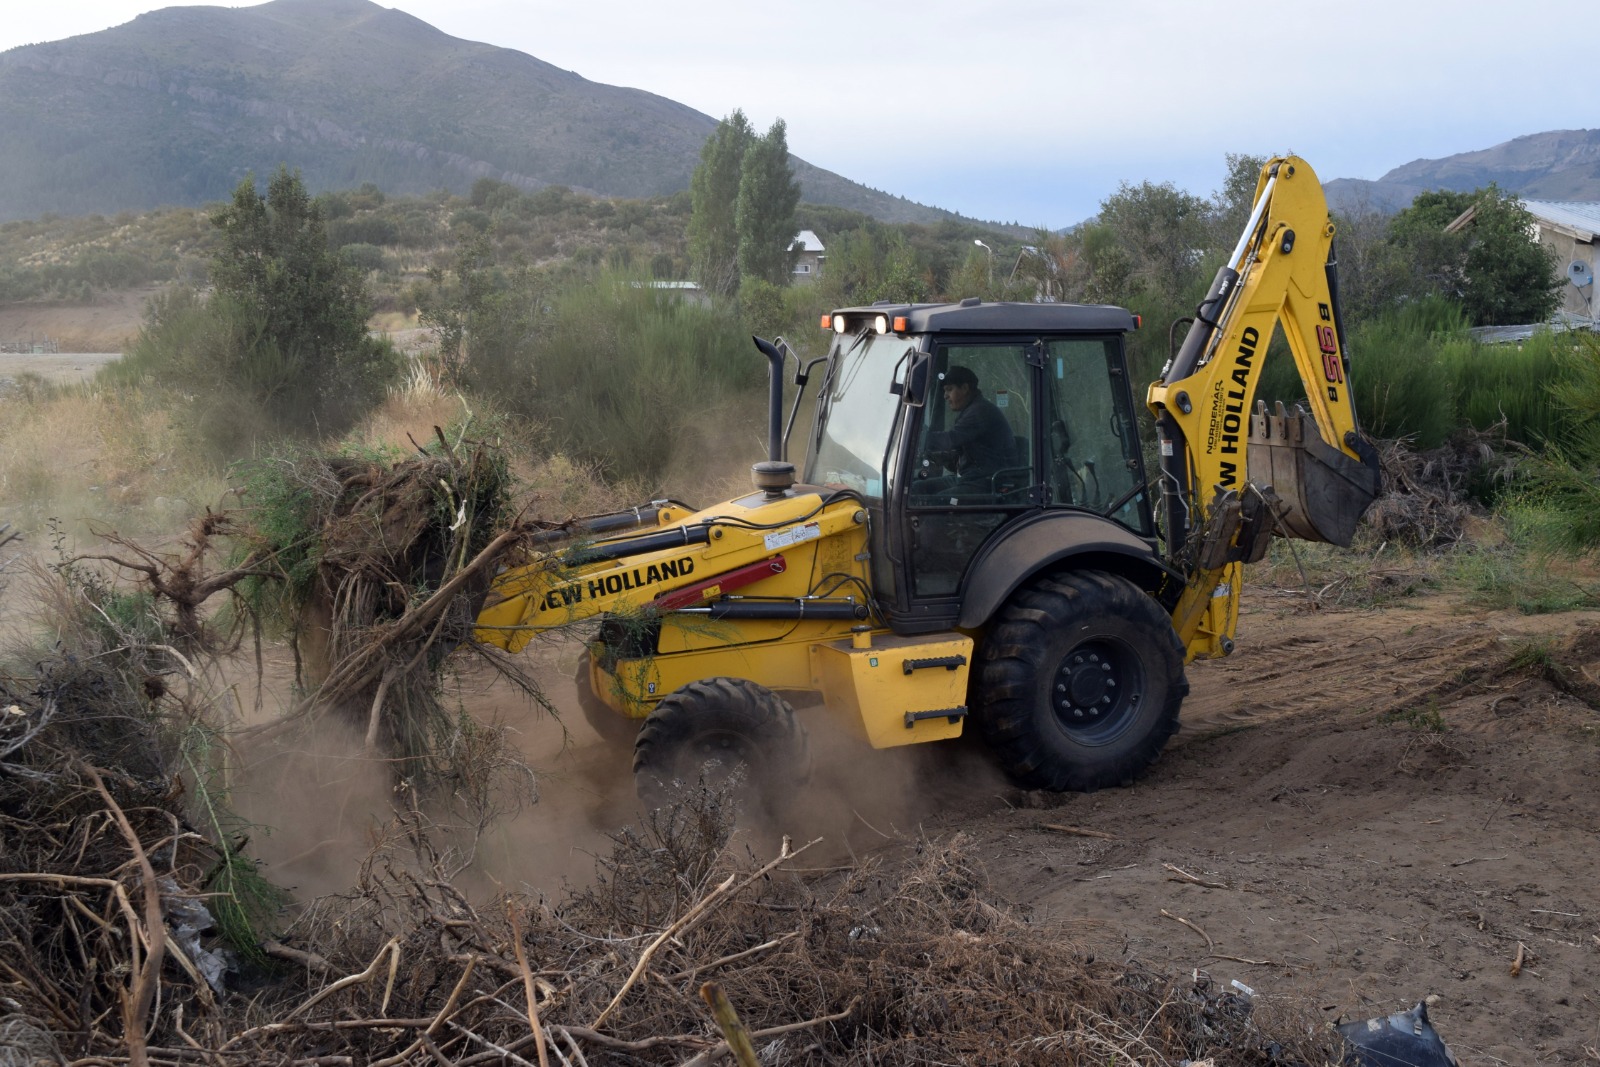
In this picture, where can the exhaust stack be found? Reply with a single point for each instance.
(773, 475)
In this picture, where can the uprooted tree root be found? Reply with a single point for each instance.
(375, 567)
(382, 567)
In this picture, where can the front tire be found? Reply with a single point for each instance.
(708, 729)
(1080, 682)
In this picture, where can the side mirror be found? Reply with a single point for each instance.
(912, 388)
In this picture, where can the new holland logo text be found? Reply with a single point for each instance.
(614, 584)
(1233, 413)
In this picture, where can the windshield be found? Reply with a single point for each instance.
(857, 415)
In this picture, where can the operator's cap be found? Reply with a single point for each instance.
(960, 376)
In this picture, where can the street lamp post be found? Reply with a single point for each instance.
(989, 250)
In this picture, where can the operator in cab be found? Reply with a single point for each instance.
(980, 442)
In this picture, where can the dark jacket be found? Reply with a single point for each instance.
(981, 441)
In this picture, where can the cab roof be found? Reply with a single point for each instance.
(973, 316)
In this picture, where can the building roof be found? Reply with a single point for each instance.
(806, 241)
(1580, 218)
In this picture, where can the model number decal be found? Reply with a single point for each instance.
(792, 536)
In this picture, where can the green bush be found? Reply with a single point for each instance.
(619, 373)
(610, 370)
(365, 257)
(1557, 506)
(281, 345)
(1418, 373)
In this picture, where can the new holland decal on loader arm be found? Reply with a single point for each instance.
(972, 535)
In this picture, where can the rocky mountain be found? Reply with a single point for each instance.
(1557, 165)
(177, 105)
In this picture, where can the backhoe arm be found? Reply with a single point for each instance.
(683, 563)
(1231, 477)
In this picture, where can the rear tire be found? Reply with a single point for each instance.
(614, 728)
(1080, 682)
(708, 729)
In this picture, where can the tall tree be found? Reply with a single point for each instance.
(1231, 204)
(714, 192)
(1491, 264)
(1164, 232)
(313, 363)
(280, 344)
(768, 196)
(274, 258)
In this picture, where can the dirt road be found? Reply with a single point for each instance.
(59, 368)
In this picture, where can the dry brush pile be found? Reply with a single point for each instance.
(1426, 496)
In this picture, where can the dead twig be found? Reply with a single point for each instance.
(706, 1058)
(309, 960)
(734, 958)
(444, 1013)
(145, 976)
(733, 1030)
(1178, 918)
(391, 948)
(1181, 875)
(527, 972)
(1076, 831)
(727, 889)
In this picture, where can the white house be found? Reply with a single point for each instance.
(808, 256)
(1569, 227)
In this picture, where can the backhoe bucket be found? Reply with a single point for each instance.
(1324, 492)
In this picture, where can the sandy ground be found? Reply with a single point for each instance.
(59, 368)
(106, 325)
(1363, 809)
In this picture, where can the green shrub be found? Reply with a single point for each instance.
(619, 373)
(1418, 373)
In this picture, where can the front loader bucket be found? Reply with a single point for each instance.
(1324, 491)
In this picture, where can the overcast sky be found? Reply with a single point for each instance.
(1032, 111)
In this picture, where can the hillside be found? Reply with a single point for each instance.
(1555, 165)
(177, 105)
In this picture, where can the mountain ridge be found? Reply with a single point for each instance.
(178, 104)
(1552, 165)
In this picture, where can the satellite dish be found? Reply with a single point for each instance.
(1579, 273)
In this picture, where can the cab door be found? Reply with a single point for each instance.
(1066, 407)
(974, 463)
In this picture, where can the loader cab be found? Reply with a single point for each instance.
(961, 424)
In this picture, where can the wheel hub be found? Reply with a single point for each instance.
(1096, 691)
(1086, 686)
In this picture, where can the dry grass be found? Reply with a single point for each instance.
(93, 456)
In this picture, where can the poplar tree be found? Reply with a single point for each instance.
(714, 189)
(768, 196)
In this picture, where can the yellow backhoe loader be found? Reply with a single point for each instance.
(972, 535)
